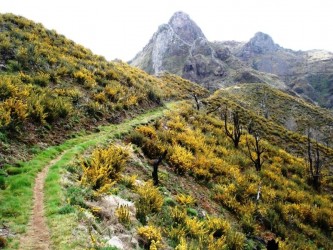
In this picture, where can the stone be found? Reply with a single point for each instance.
(115, 242)
(111, 202)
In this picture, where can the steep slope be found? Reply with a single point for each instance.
(308, 73)
(285, 210)
(51, 88)
(180, 47)
(281, 107)
(281, 118)
(207, 197)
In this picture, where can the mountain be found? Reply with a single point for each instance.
(180, 47)
(308, 73)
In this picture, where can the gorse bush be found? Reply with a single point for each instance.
(129, 181)
(95, 109)
(13, 113)
(103, 168)
(186, 200)
(42, 79)
(150, 237)
(85, 78)
(123, 214)
(181, 159)
(150, 201)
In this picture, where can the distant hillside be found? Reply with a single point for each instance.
(281, 118)
(281, 107)
(308, 73)
(181, 48)
(51, 87)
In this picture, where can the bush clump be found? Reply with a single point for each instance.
(150, 237)
(103, 168)
(150, 201)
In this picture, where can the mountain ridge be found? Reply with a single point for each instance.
(220, 64)
(194, 57)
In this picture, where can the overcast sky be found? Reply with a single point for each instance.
(120, 29)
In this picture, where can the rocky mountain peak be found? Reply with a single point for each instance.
(261, 43)
(185, 28)
(181, 48)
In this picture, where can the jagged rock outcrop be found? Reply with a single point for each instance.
(261, 43)
(180, 47)
(169, 46)
(187, 30)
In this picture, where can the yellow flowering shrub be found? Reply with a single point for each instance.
(177, 233)
(85, 78)
(214, 224)
(100, 97)
(12, 112)
(150, 234)
(114, 91)
(182, 244)
(123, 214)
(184, 199)
(195, 228)
(103, 168)
(178, 215)
(147, 131)
(176, 123)
(220, 243)
(150, 200)
(181, 159)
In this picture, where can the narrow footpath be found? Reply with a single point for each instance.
(38, 234)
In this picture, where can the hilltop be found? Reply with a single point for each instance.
(52, 88)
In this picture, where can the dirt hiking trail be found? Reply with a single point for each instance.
(38, 234)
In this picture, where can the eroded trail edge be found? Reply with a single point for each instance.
(38, 233)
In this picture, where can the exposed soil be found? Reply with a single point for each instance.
(38, 234)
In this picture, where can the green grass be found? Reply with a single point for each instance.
(16, 199)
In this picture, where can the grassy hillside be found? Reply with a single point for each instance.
(282, 108)
(51, 87)
(283, 118)
(207, 197)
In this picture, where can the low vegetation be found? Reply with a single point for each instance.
(51, 87)
(216, 202)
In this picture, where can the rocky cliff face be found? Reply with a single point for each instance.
(186, 29)
(180, 47)
(169, 46)
(261, 43)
